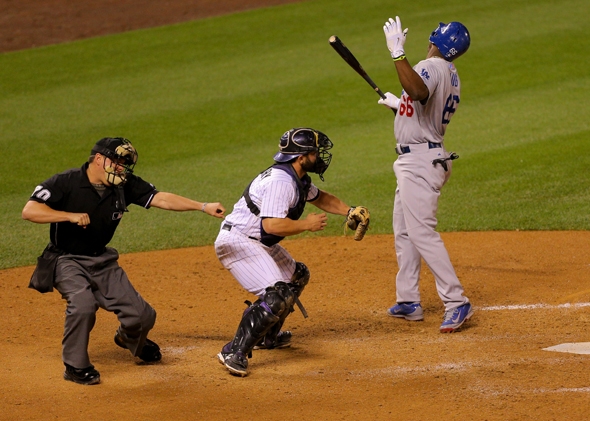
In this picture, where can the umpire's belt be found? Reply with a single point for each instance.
(402, 149)
(228, 227)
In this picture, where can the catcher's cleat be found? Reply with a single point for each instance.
(408, 311)
(237, 363)
(225, 352)
(85, 376)
(150, 353)
(453, 319)
(283, 340)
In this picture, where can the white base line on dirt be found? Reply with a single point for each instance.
(533, 306)
(568, 390)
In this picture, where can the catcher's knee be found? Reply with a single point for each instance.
(279, 298)
(301, 275)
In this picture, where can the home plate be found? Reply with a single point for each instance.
(573, 348)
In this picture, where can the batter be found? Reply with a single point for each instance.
(430, 97)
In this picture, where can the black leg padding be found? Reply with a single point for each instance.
(299, 279)
(261, 316)
(256, 321)
(298, 282)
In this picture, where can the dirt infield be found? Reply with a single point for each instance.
(34, 23)
(349, 360)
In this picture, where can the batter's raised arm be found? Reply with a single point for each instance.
(174, 202)
(409, 79)
(40, 213)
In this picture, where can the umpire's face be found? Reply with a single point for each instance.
(114, 170)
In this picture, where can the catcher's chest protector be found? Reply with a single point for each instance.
(303, 186)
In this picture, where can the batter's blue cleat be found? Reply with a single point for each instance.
(453, 319)
(408, 311)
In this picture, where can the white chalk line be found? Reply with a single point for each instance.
(533, 306)
(178, 350)
(403, 373)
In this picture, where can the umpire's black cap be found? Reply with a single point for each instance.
(116, 148)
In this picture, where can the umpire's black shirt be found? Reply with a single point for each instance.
(71, 191)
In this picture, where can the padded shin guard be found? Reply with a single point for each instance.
(290, 291)
(256, 321)
(261, 316)
(299, 279)
(271, 336)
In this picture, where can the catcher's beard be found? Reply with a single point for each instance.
(307, 165)
(319, 166)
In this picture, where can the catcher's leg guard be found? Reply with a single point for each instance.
(256, 322)
(299, 279)
(275, 338)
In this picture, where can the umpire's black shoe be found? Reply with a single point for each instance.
(86, 376)
(150, 353)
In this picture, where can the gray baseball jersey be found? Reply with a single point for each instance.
(417, 123)
(420, 128)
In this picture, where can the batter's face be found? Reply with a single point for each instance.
(433, 51)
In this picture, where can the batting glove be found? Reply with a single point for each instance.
(390, 101)
(395, 37)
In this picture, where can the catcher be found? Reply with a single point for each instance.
(248, 242)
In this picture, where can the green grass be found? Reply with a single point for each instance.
(205, 103)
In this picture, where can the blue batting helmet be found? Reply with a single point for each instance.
(452, 39)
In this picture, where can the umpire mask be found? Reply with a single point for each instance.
(301, 141)
(122, 156)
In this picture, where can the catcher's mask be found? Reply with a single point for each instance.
(452, 39)
(301, 141)
(122, 156)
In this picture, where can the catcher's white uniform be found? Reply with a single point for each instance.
(255, 265)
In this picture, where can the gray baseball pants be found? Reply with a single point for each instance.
(88, 283)
(414, 223)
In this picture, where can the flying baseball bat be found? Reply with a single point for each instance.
(348, 57)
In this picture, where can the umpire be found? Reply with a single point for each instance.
(84, 207)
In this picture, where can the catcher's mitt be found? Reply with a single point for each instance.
(358, 220)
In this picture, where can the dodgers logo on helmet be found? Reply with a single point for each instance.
(452, 39)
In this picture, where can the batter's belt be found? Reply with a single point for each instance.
(403, 149)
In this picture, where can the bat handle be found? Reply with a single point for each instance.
(382, 95)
